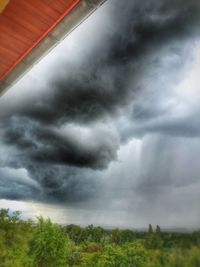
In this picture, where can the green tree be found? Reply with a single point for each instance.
(116, 236)
(158, 242)
(15, 236)
(153, 239)
(127, 236)
(98, 235)
(129, 255)
(50, 245)
(75, 233)
(149, 239)
(158, 230)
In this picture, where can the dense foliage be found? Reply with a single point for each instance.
(45, 244)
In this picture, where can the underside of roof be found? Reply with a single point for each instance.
(31, 28)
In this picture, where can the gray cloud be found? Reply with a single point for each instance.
(69, 134)
(91, 147)
(16, 184)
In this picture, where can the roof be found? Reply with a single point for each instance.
(30, 28)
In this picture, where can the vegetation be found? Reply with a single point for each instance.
(45, 244)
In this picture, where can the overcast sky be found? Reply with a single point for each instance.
(105, 129)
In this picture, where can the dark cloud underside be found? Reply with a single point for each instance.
(68, 133)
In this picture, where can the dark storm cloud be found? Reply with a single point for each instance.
(67, 125)
(76, 146)
(69, 149)
(100, 85)
(16, 184)
(81, 97)
(60, 183)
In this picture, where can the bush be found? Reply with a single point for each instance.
(50, 245)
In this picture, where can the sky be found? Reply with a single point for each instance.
(105, 129)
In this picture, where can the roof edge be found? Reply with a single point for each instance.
(78, 14)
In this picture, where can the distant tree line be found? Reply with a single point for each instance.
(45, 244)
